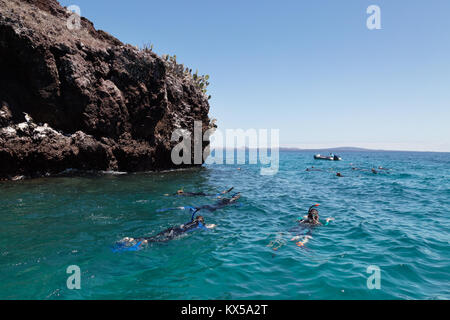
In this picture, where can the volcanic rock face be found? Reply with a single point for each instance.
(81, 99)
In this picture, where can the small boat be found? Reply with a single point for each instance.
(330, 157)
(320, 157)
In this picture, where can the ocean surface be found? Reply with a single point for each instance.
(397, 220)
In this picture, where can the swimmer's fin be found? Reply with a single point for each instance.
(229, 190)
(121, 247)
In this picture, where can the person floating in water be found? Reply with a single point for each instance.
(223, 202)
(131, 244)
(313, 169)
(181, 192)
(339, 174)
(312, 218)
(373, 170)
(306, 223)
(310, 221)
(219, 204)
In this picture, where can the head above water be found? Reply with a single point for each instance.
(200, 219)
(180, 191)
(313, 214)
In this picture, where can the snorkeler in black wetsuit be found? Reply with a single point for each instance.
(373, 170)
(313, 169)
(211, 208)
(219, 204)
(200, 194)
(170, 233)
(131, 244)
(310, 221)
(307, 223)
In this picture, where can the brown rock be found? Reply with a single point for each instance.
(105, 105)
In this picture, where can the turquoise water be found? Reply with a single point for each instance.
(398, 222)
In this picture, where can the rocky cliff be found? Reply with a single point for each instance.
(79, 98)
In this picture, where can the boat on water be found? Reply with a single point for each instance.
(331, 157)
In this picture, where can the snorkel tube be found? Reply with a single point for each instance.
(194, 211)
(309, 210)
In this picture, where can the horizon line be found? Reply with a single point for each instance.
(343, 149)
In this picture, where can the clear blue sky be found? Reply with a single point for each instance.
(309, 68)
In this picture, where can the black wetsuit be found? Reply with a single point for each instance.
(173, 232)
(303, 228)
(201, 194)
(194, 194)
(218, 205)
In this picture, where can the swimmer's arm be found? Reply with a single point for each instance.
(132, 241)
(327, 221)
(207, 227)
